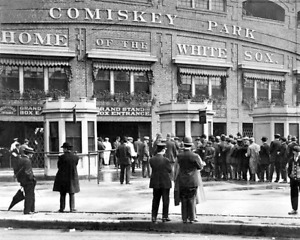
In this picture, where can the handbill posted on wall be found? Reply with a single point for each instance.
(125, 111)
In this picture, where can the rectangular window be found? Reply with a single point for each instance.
(186, 85)
(122, 81)
(141, 83)
(202, 4)
(91, 136)
(102, 81)
(279, 129)
(217, 87)
(248, 129)
(180, 129)
(201, 86)
(58, 79)
(73, 135)
(53, 137)
(248, 92)
(218, 5)
(262, 90)
(10, 78)
(276, 90)
(33, 78)
(294, 129)
(196, 130)
(185, 3)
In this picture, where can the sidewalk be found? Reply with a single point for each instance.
(257, 209)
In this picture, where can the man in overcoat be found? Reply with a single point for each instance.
(294, 175)
(160, 182)
(264, 162)
(27, 180)
(124, 158)
(189, 164)
(171, 152)
(145, 152)
(275, 158)
(66, 179)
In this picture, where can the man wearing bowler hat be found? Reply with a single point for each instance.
(189, 164)
(160, 182)
(294, 175)
(66, 179)
(26, 178)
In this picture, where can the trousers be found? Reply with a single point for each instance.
(63, 201)
(159, 193)
(294, 185)
(29, 203)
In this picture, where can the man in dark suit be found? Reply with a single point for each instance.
(294, 175)
(171, 152)
(145, 153)
(189, 164)
(27, 180)
(264, 162)
(66, 179)
(160, 182)
(275, 159)
(124, 159)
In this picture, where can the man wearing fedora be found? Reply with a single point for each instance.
(294, 175)
(160, 182)
(189, 164)
(66, 179)
(26, 178)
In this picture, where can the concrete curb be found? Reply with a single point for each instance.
(115, 222)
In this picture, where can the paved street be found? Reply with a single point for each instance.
(232, 207)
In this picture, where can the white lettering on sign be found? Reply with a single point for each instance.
(258, 56)
(233, 30)
(205, 51)
(27, 38)
(109, 14)
(124, 111)
(117, 43)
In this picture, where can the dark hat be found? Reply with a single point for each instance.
(264, 139)
(209, 142)
(176, 138)
(66, 145)
(296, 148)
(29, 150)
(293, 138)
(283, 139)
(277, 135)
(168, 134)
(188, 141)
(146, 138)
(203, 136)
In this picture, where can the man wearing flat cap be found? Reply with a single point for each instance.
(66, 179)
(25, 177)
(294, 175)
(274, 157)
(160, 182)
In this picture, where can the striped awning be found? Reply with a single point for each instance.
(122, 67)
(264, 77)
(33, 62)
(203, 72)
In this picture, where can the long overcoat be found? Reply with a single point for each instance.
(161, 169)
(66, 179)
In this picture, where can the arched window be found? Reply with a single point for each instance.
(263, 9)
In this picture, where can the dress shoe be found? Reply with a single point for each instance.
(129, 183)
(293, 212)
(184, 221)
(29, 213)
(73, 210)
(166, 219)
(153, 219)
(60, 210)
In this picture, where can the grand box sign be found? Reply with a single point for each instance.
(20, 110)
(125, 111)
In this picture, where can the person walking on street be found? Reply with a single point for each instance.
(66, 179)
(161, 183)
(294, 175)
(124, 158)
(264, 162)
(145, 152)
(27, 180)
(189, 164)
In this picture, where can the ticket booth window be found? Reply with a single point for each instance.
(91, 136)
(73, 135)
(53, 138)
(58, 79)
(33, 78)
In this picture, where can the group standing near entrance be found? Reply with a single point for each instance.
(167, 161)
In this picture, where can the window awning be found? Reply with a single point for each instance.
(122, 67)
(203, 72)
(33, 62)
(264, 77)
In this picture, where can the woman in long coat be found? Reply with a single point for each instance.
(66, 180)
